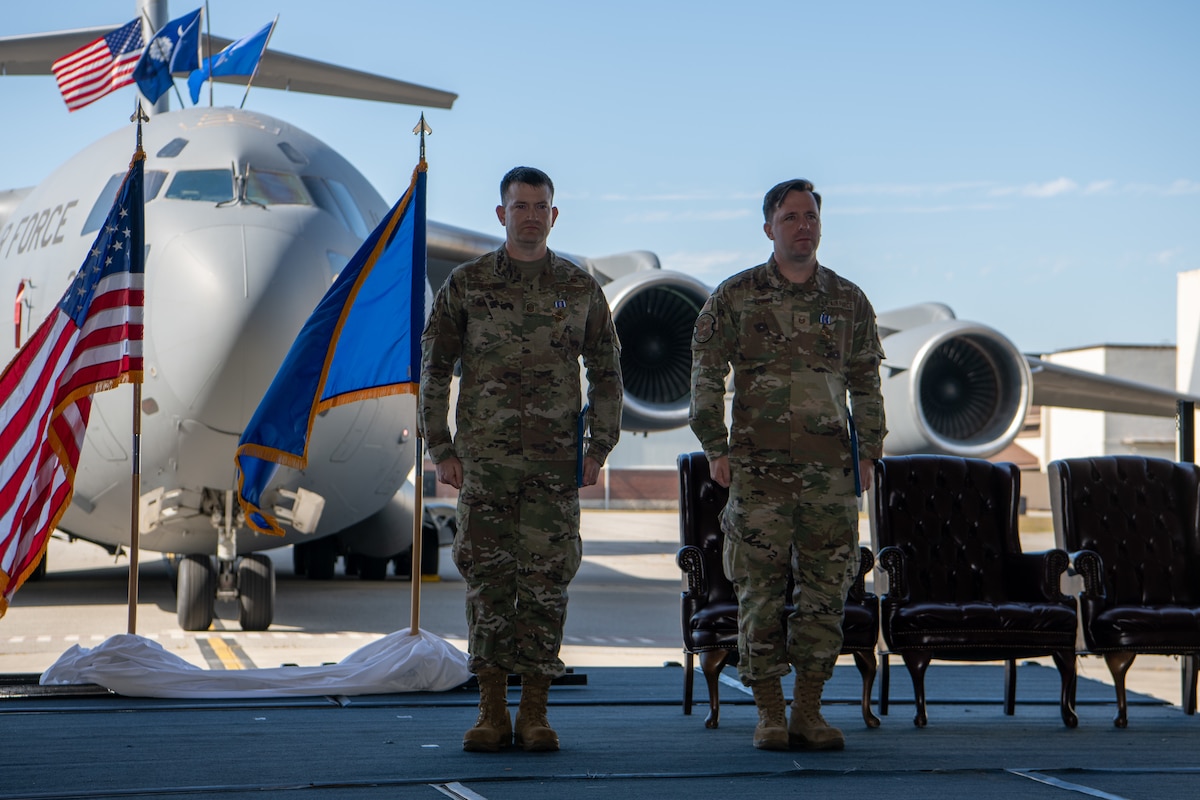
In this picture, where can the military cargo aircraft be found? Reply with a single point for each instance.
(248, 221)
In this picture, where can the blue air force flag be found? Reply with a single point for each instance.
(239, 58)
(175, 48)
(363, 340)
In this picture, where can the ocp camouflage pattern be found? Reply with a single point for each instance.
(518, 547)
(797, 351)
(519, 339)
(790, 521)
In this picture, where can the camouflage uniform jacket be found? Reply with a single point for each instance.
(519, 338)
(796, 351)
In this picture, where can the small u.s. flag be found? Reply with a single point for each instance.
(96, 69)
(90, 342)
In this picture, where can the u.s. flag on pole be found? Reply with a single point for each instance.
(90, 342)
(96, 69)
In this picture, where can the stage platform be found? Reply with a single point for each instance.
(624, 735)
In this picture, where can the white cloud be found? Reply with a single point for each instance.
(1048, 189)
(938, 209)
(909, 190)
(713, 265)
(1183, 186)
(718, 215)
(676, 197)
(1168, 256)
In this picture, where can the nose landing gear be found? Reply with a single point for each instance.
(204, 579)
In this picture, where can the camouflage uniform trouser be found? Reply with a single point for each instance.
(800, 520)
(518, 547)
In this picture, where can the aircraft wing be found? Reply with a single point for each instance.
(1066, 387)
(33, 54)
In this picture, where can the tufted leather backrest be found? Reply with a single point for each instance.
(954, 518)
(1141, 515)
(701, 500)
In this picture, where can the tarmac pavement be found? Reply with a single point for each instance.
(620, 717)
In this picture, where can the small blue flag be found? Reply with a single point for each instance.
(175, 48)
(363, 340)
(239, 58)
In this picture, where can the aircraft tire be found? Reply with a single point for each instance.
(429, 549)
(372, 569)
(320, 558)
(39, 571)
(429, 554)
(256, 592)
(196, 592)
(299, 560)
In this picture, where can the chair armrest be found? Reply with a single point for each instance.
(866, 560)
(1089, 564)
(891, 558)
(691, 560)
(1037, 575)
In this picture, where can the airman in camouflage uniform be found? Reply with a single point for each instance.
(518, 320)
(800, 340)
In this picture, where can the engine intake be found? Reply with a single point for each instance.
(655, 313)
(953, 387)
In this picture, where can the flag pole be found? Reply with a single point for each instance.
(208, 52)
(418, 459)
(139, 238)
(418, 523)
(258, 63)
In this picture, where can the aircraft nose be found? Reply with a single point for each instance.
(222, 309)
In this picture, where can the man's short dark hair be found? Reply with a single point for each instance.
(774, 198)
(530, 176)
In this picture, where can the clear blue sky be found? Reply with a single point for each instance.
(1033, 164)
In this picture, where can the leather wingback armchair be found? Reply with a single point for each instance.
(709, 606)
(958, 586)
(1132, 527)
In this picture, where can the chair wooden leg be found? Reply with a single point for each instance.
(1010, 686)
(689, 680)
(1066, 663)
(711, 663)
(865, 661)
(1188, 692)
(917, 663)
(1118, 665)
(885, 675)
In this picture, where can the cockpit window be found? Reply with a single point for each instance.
(203, 185)
(172, 148)
(334, 197)
(152, 182)
(275, 188)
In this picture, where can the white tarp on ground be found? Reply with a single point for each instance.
(137, 667)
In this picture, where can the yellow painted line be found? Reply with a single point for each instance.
(224, 653)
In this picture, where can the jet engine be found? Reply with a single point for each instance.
(952, 387)
(655, 313)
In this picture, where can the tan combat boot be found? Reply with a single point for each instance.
(807, 729)
(533, 732)
(771, 732)
(493, 729)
